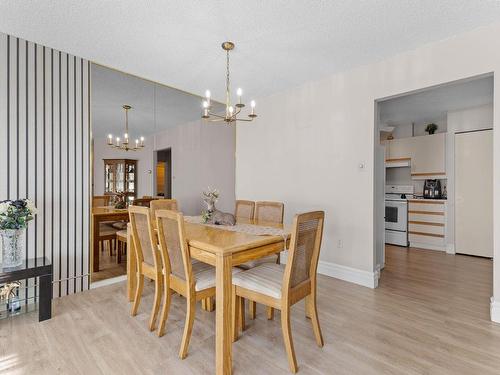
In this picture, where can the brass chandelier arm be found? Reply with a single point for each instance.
(216, 115)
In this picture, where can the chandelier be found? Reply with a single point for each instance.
(232, 112)
(125, 145)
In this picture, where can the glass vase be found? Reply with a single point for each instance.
(12, 242)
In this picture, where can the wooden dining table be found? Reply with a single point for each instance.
(100, 215)
(222, 249)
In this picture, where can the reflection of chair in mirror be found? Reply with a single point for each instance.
(121, 245)
(143, 202)
(101, 200)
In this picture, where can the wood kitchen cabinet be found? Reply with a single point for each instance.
(426, 154)
(399, 148)
(428, 157)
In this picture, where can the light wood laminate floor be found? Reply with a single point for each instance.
(429, 316)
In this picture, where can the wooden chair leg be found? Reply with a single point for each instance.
(156, 303)
(287, 338)
(118, 252)
(210, 304)
(270, 313)
(241, 315)
(165, 310)
(235, 315)
(252, 307)
(313, 311)
(138, 294)
(307, 301)
(188, 327)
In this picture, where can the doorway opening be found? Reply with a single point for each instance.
(433, 193)
(163, 173)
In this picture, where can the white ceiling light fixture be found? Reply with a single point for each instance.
(125, 144)
(232, 112)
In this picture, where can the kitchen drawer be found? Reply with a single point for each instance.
(426, 217)
(420, 240)
(429, 228)
(426, 206)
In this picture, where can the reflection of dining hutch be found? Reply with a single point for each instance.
(120, 176)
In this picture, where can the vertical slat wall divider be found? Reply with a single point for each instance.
(45, 154)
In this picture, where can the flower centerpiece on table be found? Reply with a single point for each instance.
(14, 218)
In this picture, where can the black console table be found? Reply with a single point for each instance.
(39, 267)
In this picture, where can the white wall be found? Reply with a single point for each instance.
(458, 121)
(202, 156)
(405, 130)
(307, 145)
(144, 165)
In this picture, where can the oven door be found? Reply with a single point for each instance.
(396, 215)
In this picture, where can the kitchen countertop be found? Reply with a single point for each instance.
(427, 199)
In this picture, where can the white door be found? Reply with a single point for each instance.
(474, 193)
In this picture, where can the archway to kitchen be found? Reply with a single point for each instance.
(434, 196)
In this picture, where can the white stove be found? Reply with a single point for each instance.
(396, 213)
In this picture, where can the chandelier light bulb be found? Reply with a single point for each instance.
(207, 94)
(231, 110)
(252, 104)
(205, 104)
(239, 92)
(142, 139)
(110, 139)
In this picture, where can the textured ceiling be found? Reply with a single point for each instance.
(111, 89)
(434, 103)
(279, 43)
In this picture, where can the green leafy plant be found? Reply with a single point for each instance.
(16, 214)
(431, 128)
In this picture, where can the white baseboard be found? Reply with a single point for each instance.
(450, 248)
(426, 246)
(495, 310)
(352, 275)
(107, 282)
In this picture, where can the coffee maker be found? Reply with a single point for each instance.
(432, 189)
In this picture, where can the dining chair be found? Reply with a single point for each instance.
(244, 209)
(272, 213)
(193, 280)
(101, 200)
(144, 202)
(161, 204)
(148, 260)
(281, 286)
(121, 244)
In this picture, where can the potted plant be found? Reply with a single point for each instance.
(431, 128)
(14, 218)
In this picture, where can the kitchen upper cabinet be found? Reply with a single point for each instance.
(428, 158)
(399, 148)
(427, 154)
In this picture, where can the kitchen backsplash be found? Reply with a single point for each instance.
(401, 176)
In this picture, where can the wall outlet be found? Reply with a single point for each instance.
(340, 244)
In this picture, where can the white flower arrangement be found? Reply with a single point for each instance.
(16, 214)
